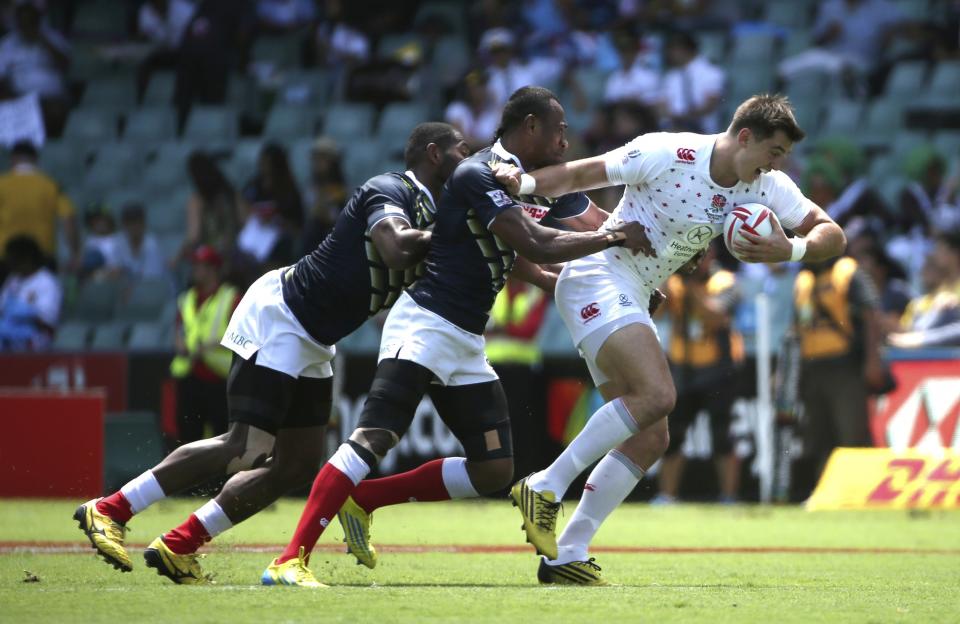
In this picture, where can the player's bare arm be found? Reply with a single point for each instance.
(590, 221)
(400, 245)
(577, 175)
(543, 245)
(822, 236)
(543, 277)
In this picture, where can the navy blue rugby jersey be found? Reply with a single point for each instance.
(343, 282)
(467, 264)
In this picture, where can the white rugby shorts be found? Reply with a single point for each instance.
(263, 324)
(595, 297)
(454, 355)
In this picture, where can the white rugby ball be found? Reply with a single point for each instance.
(753, 218)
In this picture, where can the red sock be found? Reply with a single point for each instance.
(423, 483)
(330, 489)
(188, 537)
(116, 507)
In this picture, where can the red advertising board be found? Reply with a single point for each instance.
(51, 443)
(69, 371)
(923, 410)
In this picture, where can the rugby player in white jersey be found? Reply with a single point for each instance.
(681, 187)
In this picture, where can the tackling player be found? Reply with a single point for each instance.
(680, 186)
(433, 337)
(279, 388)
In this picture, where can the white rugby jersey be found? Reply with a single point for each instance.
(669, 190)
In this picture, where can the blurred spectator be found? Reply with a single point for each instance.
(327, 193)
(99, 257)
(30, 298)
(162, 23)
(836, 311)
(507, 71)
(138, 252)
(632, 80)
(284, 16)
(213, 210)
(929, 200)
(686, 14)
(888, 276)
(615, 125)
(337, 43)
(935, 321)
(201, 365)
(34, 59)
(856, 196)
(692, 87)
(475, 112)
(31, 203)
(851, 37)
(704, 354)
(936, 306)
(274, 211)
(214, 43)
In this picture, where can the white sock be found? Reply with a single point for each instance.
(349, 463)
(610, 482)
(213, 519)
(142, 492)
(608, 426)
(456, 479)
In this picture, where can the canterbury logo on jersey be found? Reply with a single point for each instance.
(686, 154)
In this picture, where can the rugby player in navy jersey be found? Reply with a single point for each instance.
(283, 334)
(433, 337)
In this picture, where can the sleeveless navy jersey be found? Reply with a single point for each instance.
(343, 282)
(467, 264)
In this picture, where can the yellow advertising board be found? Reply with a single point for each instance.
(881, 478)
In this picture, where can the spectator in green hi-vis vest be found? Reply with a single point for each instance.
(201, 364)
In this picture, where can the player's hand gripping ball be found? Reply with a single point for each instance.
(756, 219)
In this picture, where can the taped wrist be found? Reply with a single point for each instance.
(799, 249)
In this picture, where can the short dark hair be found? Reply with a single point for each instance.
(23, 248)
(684, 39)
(24, 148)
(950, 238)
(525, 101)
(443, 134)
(764, 114)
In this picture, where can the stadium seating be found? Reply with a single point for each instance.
(843, 117)
(396, 122)
(160, 89)
(109, 336)
(72, 336)
(288, 121)
(278, 50)
(132, 443)
(906, 80)
(151, 124)
(90, 126)
(114, 93)
(145, 300)
(211, 124)
(348, 122)
(147, 336)
(95, 301)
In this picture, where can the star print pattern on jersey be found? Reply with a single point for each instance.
(669, 190)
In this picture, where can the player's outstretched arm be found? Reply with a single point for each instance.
(821, 239)
(544, 245)
(543, 277)
(400, 246)
(556, 180)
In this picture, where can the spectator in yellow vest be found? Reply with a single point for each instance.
(704, 355)
(201, 364)
(837, 309)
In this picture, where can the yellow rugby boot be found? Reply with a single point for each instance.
(539, 511)
(105, 534)
(356, 532)
(181, 569)
(293, 572)
(572, 573)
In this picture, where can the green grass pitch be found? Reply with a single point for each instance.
(466, 562)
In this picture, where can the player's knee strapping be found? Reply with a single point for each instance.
(386, 416)
(255, 448)
(495, 442)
